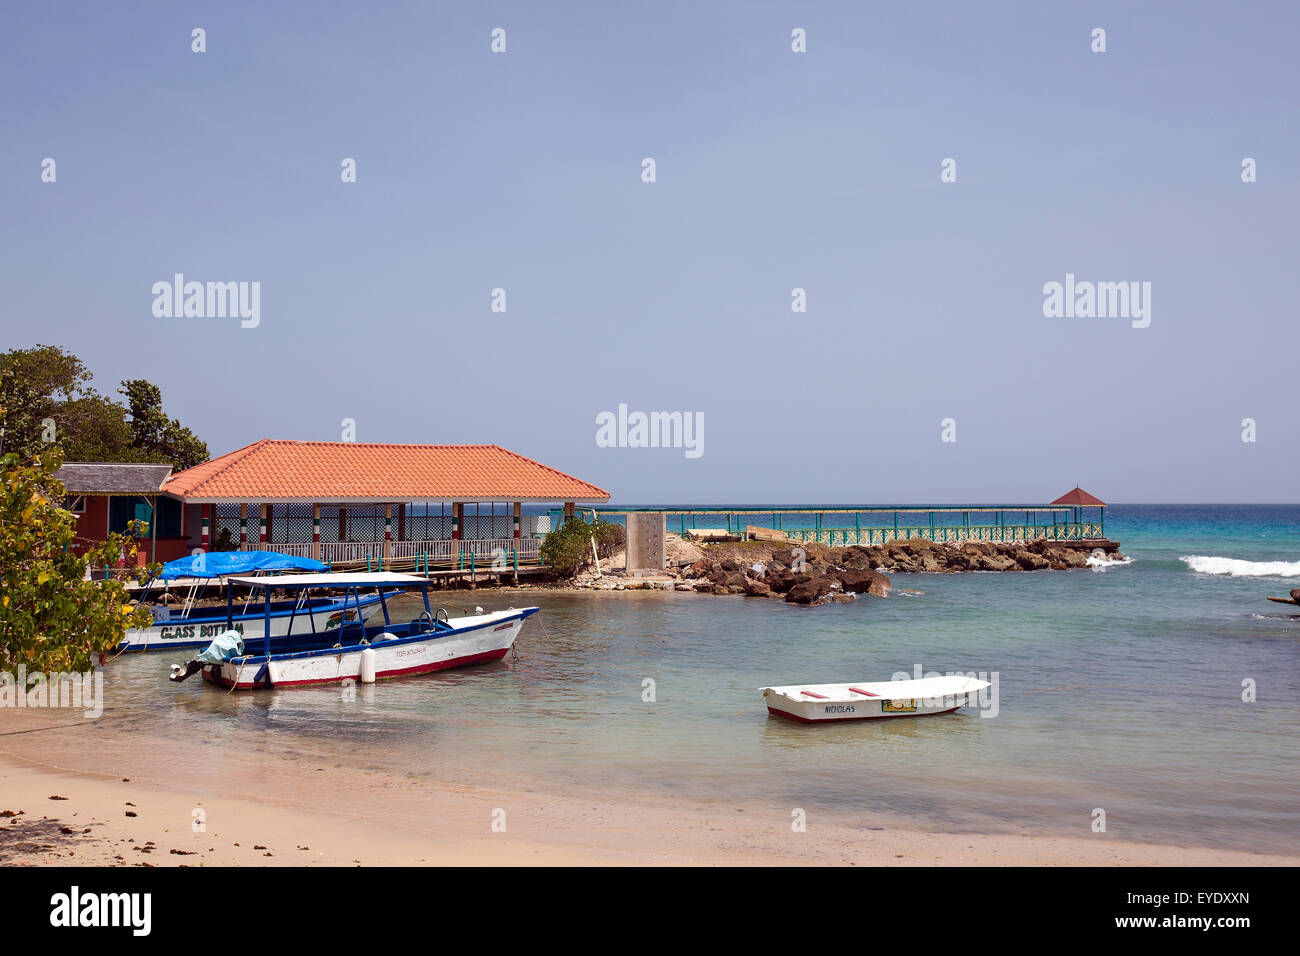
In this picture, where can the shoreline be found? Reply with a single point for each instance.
(450, 824)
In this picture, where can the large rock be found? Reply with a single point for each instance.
(811, 590)
(757, 588)
(1030, 561)
(998, 562)
(863, 582)
(780, 580)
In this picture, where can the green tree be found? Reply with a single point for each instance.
(49, 398)
(567, 549)
(51, 617)
(155, 436)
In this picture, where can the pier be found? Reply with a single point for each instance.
(1074, 517)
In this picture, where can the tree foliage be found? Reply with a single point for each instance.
(567, 549)
(51, 617)
(48, 397)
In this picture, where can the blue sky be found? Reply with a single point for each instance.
(775, 170)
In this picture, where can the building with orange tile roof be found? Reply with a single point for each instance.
(283, 484)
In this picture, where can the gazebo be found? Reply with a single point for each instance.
(1080, 499)
(353, 501)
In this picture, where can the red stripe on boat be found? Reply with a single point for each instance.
(809, 693)
(426, 668)
(864, 693)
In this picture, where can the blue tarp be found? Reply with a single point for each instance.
(218, 564)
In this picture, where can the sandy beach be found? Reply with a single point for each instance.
(102, 819)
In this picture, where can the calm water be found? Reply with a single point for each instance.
(1118, 689)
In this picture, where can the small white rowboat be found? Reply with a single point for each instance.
(811, 703)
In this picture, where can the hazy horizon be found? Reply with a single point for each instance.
(775, 171)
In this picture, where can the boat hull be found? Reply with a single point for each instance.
(475, 640)
(185, 633)
(819, 711)
(816, 703)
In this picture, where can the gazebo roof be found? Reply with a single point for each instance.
(1080, 498)
(274, 471)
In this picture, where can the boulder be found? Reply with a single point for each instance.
(757, 588)
(863, 582)
(998, 562)
(1031, 561)
(810, 590)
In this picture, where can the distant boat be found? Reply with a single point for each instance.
(812, 703)
(192, 626)
(365, 653)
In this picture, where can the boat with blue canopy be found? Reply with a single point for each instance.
(195, 625)
(357, 650)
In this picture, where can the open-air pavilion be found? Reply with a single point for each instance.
(358, 503)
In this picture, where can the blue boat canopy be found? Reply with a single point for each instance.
(219, 564)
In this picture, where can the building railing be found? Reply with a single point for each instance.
(954, 534)
(440, 551)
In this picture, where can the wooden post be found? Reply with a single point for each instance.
(401, 521)
(568, 511)
(519, 510)
(262, 525)
(343, 523)
(243, 526)
(207, 510)
(315, 530)
(457, 513)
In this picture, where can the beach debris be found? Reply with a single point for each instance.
(58, 797)
(1293, 599)
(131, 813)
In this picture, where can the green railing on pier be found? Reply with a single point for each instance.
(946, 533)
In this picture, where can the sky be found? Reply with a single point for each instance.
(774, 170)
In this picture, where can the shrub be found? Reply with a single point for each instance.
(568, 548)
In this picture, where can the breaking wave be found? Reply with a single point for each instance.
(1100, 561)
(1237, 568)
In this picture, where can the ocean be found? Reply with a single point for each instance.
(1118, 690)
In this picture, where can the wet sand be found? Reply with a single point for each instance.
(106, 820)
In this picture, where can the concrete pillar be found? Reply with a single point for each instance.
(647, 544)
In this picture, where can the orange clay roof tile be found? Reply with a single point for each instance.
(342, 471)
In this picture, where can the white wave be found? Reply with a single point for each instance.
(1237, 568)
(1100, 561)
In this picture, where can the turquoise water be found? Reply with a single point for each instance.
(1118, 690)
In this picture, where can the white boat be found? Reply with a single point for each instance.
(192, 625)
(811, 703)
(362, 652)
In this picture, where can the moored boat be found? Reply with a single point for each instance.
(360, 651)
(812, 703)
(194, 625)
